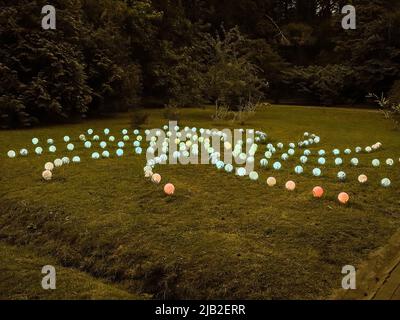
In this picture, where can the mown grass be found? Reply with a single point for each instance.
(219, 236)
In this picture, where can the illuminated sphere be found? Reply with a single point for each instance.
(390, 162)
(70, 147)
(169, 189)
(241, 172)
(82, 137)
(50, 141)
(105, 154)
(52, 149)
(321, 152)
(321, 161)
(358, 149)
(111, 139)
(292, 145)
(343, 197)
(285, 156)
(291, 152)
(299, 170)
(341, 175)
(290, 185)
(318, 192)
(263, 162)
(280, 145)
(66, 139)
(386, 182)
(354, 162)
(39, 150)
(253, 176)
(136, 144)
(124, 131)
(49, 166)
(106, 131)
(126, 138)
(277, 166)
(95, 155)
(120, 152)
(47, 175)
(376, 163)
(336, 152)
(347, 151)
(35, 141)
(368, 149)
(23, 152)
(58, 163)
(76, 159)
(362, 178)
(317, 172)
(156, 178)
(121, 144)
(138, 150)
(229, 168)
(148, 174)
(338, 161)
(220, 165)
(139, 138)
(307, 152)
(268, 154)
(88, 144)
(303, 159)
(271, 181)
(90, 131)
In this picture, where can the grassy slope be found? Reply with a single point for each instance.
(220, 236)
(20, 278)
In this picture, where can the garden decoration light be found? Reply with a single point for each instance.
(90, 131)
(303, 159)
(88, 144)
(76, 159)
(362, 178)
(241, 172)
(65, 160)
(299, 170)
(23, 152)
(111, 138)
(386, 183)
(271, 181)
(264, 163)
(169, 189)
(96, 138)
(156, 178)
(106, 131)
(120, 152)
(347, 151)
(229, 168)
(253, 176)
(39, 150)
(70, 147)
(376, 163)
(390, 162)
(95, 155)
(354, 162)
(318, 192)
(290, 185)
(82, 137)
(58, 163)
(35, 141)
(343, 198)
(66, 139)
(52, 149)
(47, 175)
(103, 144)
(50, 141)
(317, 172)
(321, 161)
(342, 175)
(321, 152)
(338, 161)
(277, 166)
(336, 152)
(49, 166)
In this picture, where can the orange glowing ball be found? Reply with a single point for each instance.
(156, 178)
(271, 181)
(343, 198)
(290, 185)
(169, 189)
(362, 178)
(318, 192)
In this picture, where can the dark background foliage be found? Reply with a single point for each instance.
(113, 55)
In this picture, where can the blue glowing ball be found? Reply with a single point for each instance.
(336, 152)
(241, 172)
(341, 176)
(321, 152)
(220, 165)
(338, 161)
(136, 131)
(88, 144)
(299, 170)
(106, 131)
(120, 152)
(138, 150)
(277, 165)
(321, 161)
(317, 172)
(136, 144)
(103, 144)
(121, 144)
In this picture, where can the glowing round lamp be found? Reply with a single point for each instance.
(343, 198)
(169, 189)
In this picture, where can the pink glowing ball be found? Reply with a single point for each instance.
(290, 185)
(362, 178)
(343, 197)
(318, 192)
(156, 178)
(169, 189)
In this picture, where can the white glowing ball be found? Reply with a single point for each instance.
(376, 163)
(148, 174)
(66, 139)
(65, 160)
(368, 149)
(82, 137)
(76, 159)
(124, 131)
(229, 168)
(52, 149)
(70, 147)
(277, 165)
(358, 149)
(241, 172)
(299, 170)
(50, 141)
(47, 175)
(11, 154)
(220, 165)
(121, 144)
(126, 138)
(268, 154)
(338, 161)
(105, 154)
(354, 162)
(242, 156)
(95, 155)
(386, 183)
(23, 152)
(58, 163)
(106, 131)
(263, 162)
(341, 175)
(120, 152)
(90, 131)
(253, 176)
(111, 139)
(39, 150)
(49, 166)
(317, 172)
(390, 162)
(35, 141)
(250, 160)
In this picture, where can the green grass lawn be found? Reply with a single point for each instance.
(219, 236)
